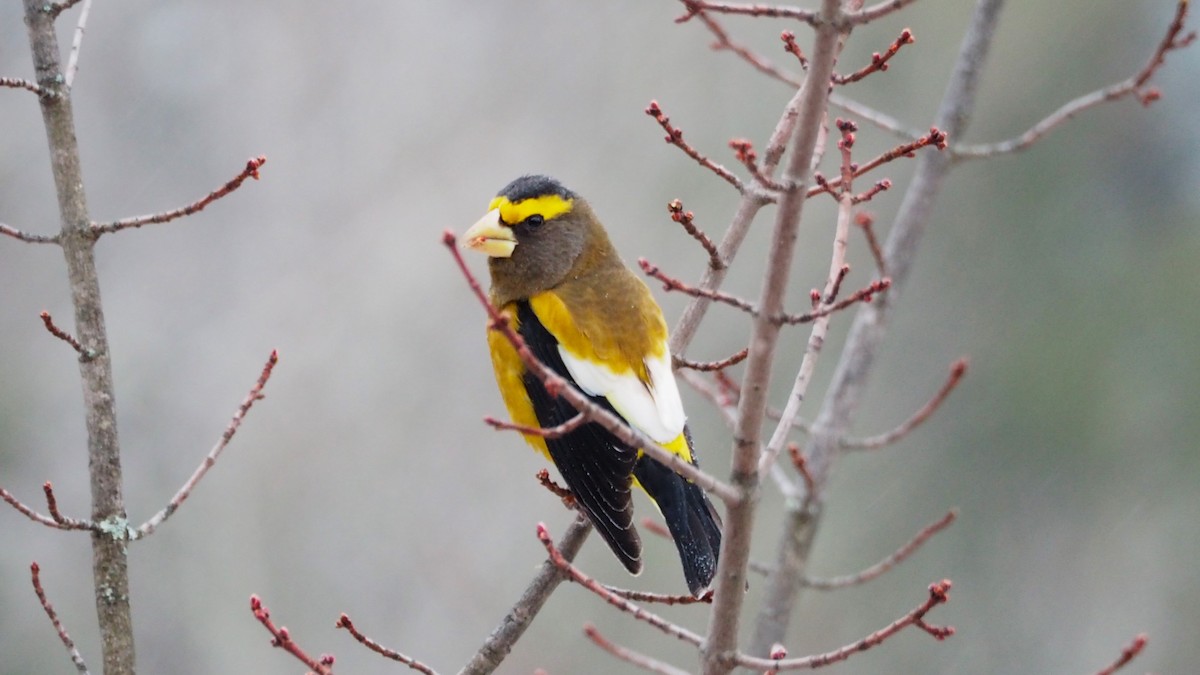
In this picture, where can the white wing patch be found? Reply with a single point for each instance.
(656, 411)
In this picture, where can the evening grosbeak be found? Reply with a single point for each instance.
(587, 317)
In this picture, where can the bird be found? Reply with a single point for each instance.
(585, 315)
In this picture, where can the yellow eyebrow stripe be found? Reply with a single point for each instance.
(547, 206)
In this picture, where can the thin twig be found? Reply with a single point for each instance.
(77, 43)
(865, 221)
(58, 523)
(25, 236)
(250, 171)
(876, 11)
(1128, 654)
(27, 85)
(76, 658)
(575, 574)
(556, 383)
(897, 557)
(879, 62)
(629, 656)
(957, 370)
(567, 497)
(685, 219)
(865, 294)
(345, 622)
(936, 137)
(48, 322)
(672, 284)
(658, 598)
(1133, 85)
(675, 137)
(281, 638)
(210, 459)
(557, 431)
(938, 594)
(709, 366)
(743, 149)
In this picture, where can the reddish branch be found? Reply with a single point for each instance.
(686, 218)
(865, 221)
(938, 594)
(55, 519)
(672, 284)
(935, 137)
(957, 370)
(1173, 40)
(835, 288)
(879, 62)
(1128, 654)
(344, 622)
(640, 660)
(250, 171)
(811, 17)
(675, 137)
(545, 432)
(659, 598)
(281, 638)
(575, 574)
(76, 657)
(557, 386)
(567, 497)
(85, 354)
(792, 47)
(743, 149)
(184, 492)
(861, 295)
(801, 465)
(899, 556)
(709, 366)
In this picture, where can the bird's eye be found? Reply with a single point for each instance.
(535, 220)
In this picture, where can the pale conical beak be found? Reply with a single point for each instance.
(490, 237)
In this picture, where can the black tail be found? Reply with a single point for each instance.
(691, 518)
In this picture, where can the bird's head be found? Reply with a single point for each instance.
(535, 233)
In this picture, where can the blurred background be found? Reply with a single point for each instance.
(366, 483)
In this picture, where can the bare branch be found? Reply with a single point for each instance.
(744, 151)
(562, 387)
(344, 622)
(1128, 654)
(512, 627)
(675, 137)
(575, 574)
(250, 171)
(77, 43)
(709, 366)
(210, 459)
(938, 594)
(1132, 86)
(55, 520)
(686, 220)
(698, 7)
(935, 137)
(879, 62)
(897, 557)
(957, 370)
(19, 83)
(877, 11)
(557, 431)
(672, 284)
(629, 656)
(76, 657)
(25, 236)
(865, 294)
(281, 638)
(659, 598)
(48, 322)
(866, 222)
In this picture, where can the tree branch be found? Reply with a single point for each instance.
(345, 622)
(76, 658)
(1128, 654)
(628, 655)
(281, 638)
(1130, 86)
(148, 528)
(897, 557)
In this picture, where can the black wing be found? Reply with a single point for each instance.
(597, 467)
